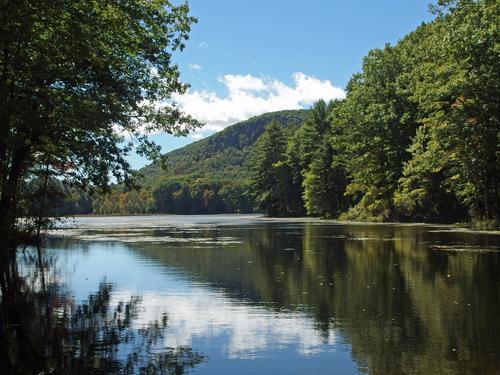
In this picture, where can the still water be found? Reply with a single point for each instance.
(240, 294)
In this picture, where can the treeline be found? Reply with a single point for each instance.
(417, 137)
(50, 196)
(177, 196)
(211, 176)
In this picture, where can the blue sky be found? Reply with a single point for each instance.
(248, 57)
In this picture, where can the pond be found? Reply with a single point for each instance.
(242, 294)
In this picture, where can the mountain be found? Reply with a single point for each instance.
(205, 177)
(222, 155)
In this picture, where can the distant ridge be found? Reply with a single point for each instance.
(224, 154)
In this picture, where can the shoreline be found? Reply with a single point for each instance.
(111, 221)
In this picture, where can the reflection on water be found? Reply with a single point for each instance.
(257, 297)
(43, 330)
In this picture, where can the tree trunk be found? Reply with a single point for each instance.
(44, 196)
(9, 197)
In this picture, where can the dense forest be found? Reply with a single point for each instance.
(417, 138)
(212, 175)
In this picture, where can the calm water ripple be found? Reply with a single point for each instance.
(241, 294)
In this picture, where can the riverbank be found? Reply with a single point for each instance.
(165, 221)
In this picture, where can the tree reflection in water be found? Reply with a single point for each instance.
(408, 299)
(43, 330)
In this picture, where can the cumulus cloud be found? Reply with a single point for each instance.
(203, 45)
(197, 136)
(249, 96)
(195, 67)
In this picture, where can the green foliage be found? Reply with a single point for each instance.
(222, 154)
(325, 179)
(76, 76)
(213, 174)
(416, 138)
(324, 185)
(197, 196)
(236, 197)
(132, 202)
(206, 177)
(271, 177)
(457, 94)
(186, 195)
(379, 122)
(418, 135)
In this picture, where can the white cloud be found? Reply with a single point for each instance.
(249, 96)
(195, 67)
(197, 136)
(203, 45)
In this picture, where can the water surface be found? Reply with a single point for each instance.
(241, 294)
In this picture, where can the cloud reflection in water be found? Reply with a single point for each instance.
(250, 330)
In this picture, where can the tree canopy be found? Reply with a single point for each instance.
(418, 135)
(75, 78)
(416, 138)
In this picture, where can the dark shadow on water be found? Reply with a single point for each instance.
(43, 330)
(407, 299)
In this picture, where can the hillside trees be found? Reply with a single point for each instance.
(457, 95)
(324, 178)
(198, 195)
(74, 78)
(273, 186)
(418, 135)
(221, 163)
(132, 202)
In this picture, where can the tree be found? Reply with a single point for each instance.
(422, 193)
(457, 93)
(323, 182)
(77, 76)
(314, 128)
(271, 177)
(379, 122)
(294, 162)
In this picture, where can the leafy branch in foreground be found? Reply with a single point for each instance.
(76, 77)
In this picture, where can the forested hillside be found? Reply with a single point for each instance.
(417, 138)
(208, 176)
(224, 153)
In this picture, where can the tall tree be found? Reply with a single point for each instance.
(271, 177)
(312, 131)
(457, 93)
(379, 120)
(294, 161)
(75, 76)
(323, 184)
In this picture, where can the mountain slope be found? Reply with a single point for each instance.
(206, 177)
(222, 155)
